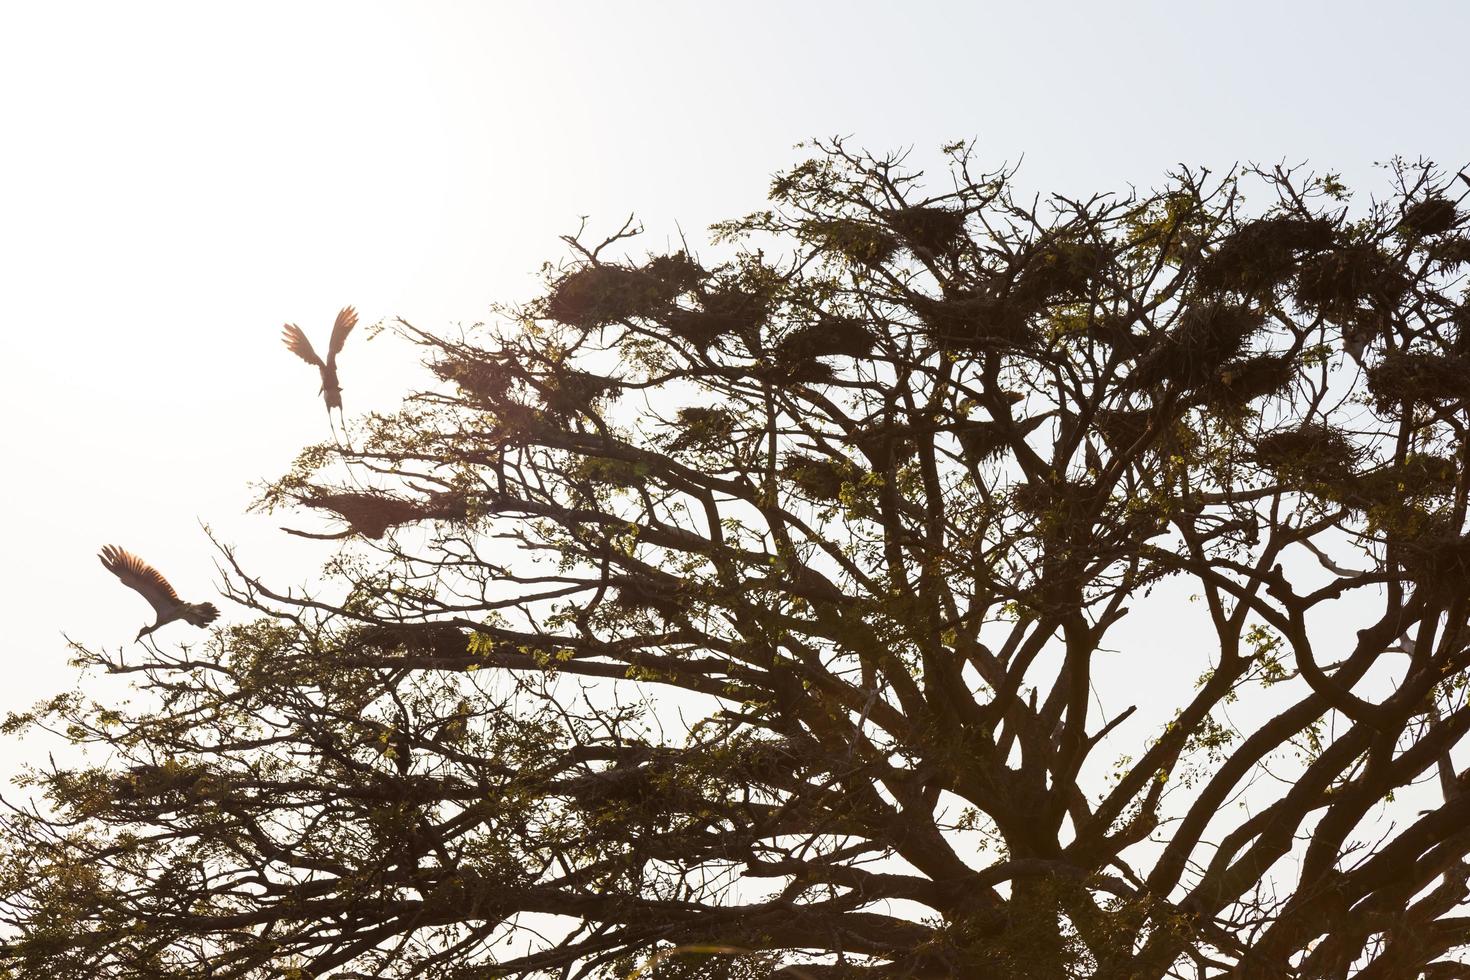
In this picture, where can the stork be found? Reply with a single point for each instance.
(296, 341)
(146, 580)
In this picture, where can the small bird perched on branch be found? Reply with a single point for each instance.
(146, 580)
(301, 347)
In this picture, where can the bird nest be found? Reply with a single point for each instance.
(1240, 381)
(372, 514)
(818, 477)
(982, 441)
(778, 372)
(1430, 547)
(636, 595)
(1261, 255)
(830, 336)
(1059, 502)
(1404, 376)
(1121, 428)
(1314, 452)
(435, 639)
(1206, 337)
(885, 445)
(1431, 216)
(1062, 268)
(703, 428)
(724, 310)
(974, 321)
(1338, 282)
(1421, 476)
(568, 392)
(1449, 253)
(933, 229)
(859, 242)
(485, 382)
(149, 781)
(610, 471)
(601, 294)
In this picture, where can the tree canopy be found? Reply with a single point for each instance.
(740, 614)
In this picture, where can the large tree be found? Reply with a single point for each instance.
(740, 613)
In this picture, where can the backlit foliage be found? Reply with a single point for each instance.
(742, 614)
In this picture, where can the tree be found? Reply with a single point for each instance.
(737, 618)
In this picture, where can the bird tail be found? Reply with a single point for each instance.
(200, 613)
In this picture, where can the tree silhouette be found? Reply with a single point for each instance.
(743, 617)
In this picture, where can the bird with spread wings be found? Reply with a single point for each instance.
(148, 582)
(296, 341)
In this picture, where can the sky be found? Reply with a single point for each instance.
(179, 179)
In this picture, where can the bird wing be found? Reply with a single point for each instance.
(346, 320)
(294, 339)
(141, 577)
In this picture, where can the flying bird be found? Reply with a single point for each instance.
(301, 347)
(144, 579)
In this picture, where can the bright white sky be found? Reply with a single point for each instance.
(179, 179)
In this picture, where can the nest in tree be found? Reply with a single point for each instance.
(434, 639)
(831, 336)
(1404, 376)
(697, 327)
(703, 428)
(1449, 253)
(1338, 282)
(934, 229)
(1261, 255)
(1241, 381)
(569, 392)
(1315, 452)
(634, 595)
(611, 472)
(1038, 498)
(973, 321)
(724, 310)
(885, 445)
(597, 295)
(1431, 549)
(1420, 476)
(796, 373)
(1116, 332)
(764, 762)
(677, 272)
(514, 421)
(146, 782)
(983, 441)
(1206, 337)
(1121, 428)
(369, 514)
(484, 381)
(859, 242)
(448, 506)
(743, 309)
(817, 477)
(1459, 341)
(642, 792)
(1429, 217)
(1065, 268)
